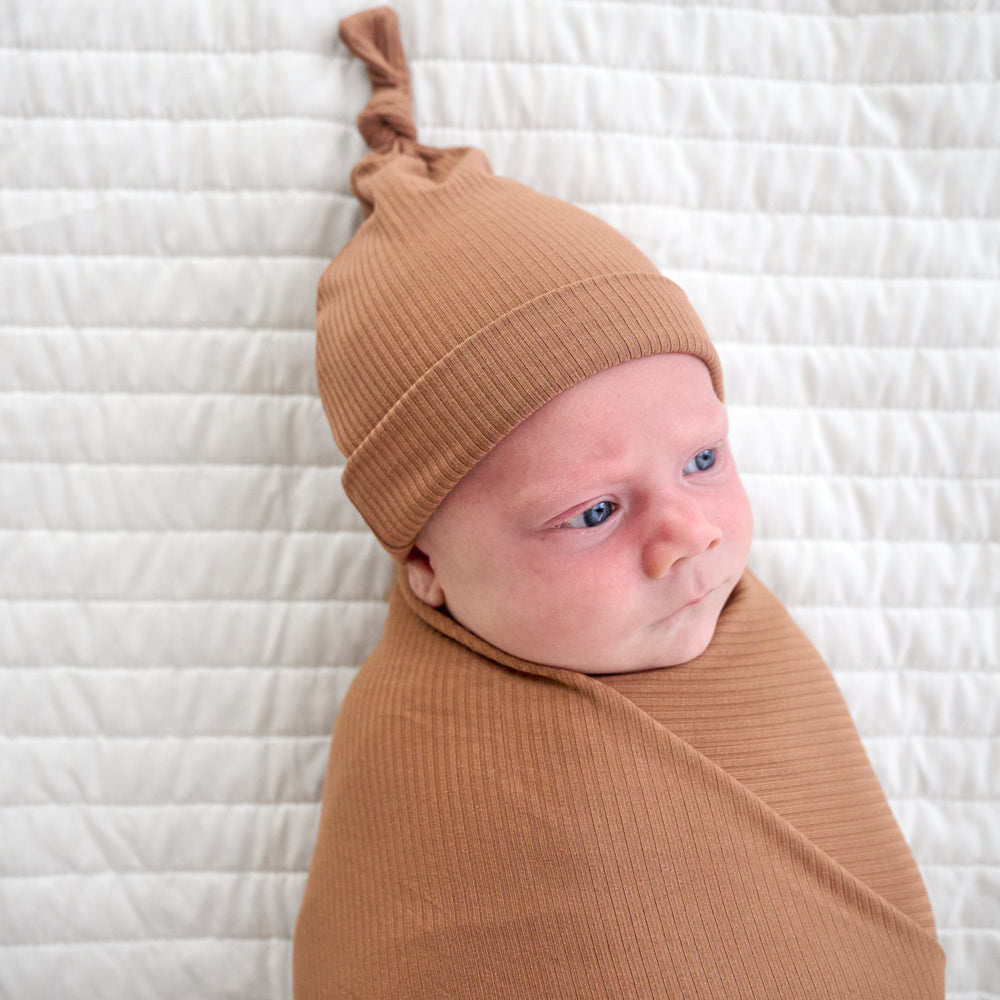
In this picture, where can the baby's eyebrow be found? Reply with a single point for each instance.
(717, 429)
(719, 418)
(555, 493)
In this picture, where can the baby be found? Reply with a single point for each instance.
(592, 755)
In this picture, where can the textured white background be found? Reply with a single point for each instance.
(184, 591)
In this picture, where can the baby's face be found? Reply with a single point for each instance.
(605, 533)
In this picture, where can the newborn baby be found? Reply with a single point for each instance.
(592, 755)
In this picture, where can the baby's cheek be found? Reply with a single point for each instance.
(739, 514)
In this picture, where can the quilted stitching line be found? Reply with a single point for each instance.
(178, 194)
(813, 408)
(416, 61)
(465, 133)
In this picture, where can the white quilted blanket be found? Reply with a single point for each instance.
(184, 591)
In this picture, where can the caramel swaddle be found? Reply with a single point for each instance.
(496, 828)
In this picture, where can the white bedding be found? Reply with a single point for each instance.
(184, 591)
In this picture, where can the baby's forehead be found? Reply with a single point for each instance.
(674, 389)
(667, 397)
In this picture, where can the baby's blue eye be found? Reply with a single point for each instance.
(702, 461)
(593, 516)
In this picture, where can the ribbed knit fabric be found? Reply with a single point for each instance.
(762, 705)
(462, 304)
(493, 828)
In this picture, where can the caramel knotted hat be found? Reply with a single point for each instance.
(463, 303)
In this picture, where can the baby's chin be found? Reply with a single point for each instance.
(638, 666)
(672, 654)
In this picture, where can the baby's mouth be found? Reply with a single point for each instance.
(696, 600)
(700, 596)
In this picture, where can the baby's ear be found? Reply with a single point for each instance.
(423, 580)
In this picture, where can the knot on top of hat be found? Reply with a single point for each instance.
(373, 36)
(387, 117)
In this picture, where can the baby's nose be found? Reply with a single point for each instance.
(680, 531)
